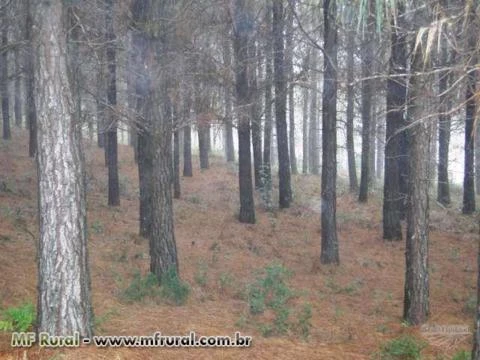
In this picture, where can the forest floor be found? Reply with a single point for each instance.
(356, 307)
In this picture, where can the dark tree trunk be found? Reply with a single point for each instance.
(113, 185)
(367, 83)
(284, 186)
(17, 107)
(203, 145)
(227, 58)
(476, 334)
(313, 154)
(267, 132)
(64, 304)
(187, 151)
(352, 167)
(305, 131)
(4, 78)
(30, 85)
(373, 139)
(176, 165)
(329, 253)
(416, 297)
(256, 117)
(444, 125)
(291, 93)
(100, 102)
(396, 100)
(157, 128)
(241, 39)
(470, 112)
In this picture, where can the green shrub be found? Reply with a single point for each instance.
(141, 287)
(403, 348)
(462, 355)
(19, 318)
(304, 323)
(173, 289)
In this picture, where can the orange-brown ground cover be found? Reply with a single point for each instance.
(356, 306)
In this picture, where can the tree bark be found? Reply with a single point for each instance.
(241, 39)
(470, 112)
(64, 304)
(113, 185)
(4, 78)
(329, 252)
(313, 154)
(396, 101)
(30, 85)
(267, 132)
(416, 298)
(227, 58)
(17, 106)
(291, 90)
(256, 116)
(352, 167)
(444, 126)
(176, 165)
(367, 84)
(284, 185)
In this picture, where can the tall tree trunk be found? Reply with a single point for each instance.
(113, 185)
(267, 132)
(284, 186)
(396, 101)
(380, 147)
(227, 59)
(256, 116)
(470, 112)
(476, 334)
(416, 297)
(477, 159)
(100, 100)
(329, 253)
(4, 78)
(373, 138)
(203, 140)
(17, 106)
(241, 39)
(305, 131)
(291, 91)
(30, 85)
(313, 154)
(64, 304)
(176, 165)
(367, 94)
(352, 167)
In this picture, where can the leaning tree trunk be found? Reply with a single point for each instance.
(64, 304)
(241, 39)
(352, 168)
(284, 185)
(30, 84)
(329, 253)
(470, 112)
(396, 101)
(4, 78)
(416, 297)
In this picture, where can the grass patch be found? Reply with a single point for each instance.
(403, 348)
(20, 319)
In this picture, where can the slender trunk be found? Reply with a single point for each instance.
(64, 304)
(227, 58)
(470, 112)
(17, 107)
(367, 94)
(291, 91)
(267, 134)
(100, 101)
(256, 117)
(373, 140)
(176, 165)
(352, 167)
(305, 132)
(380, 147)
(241, 39)
(4, 79)
(284, 186)
(313, 154)
(113, 185)
(329, 252)
(476, 334)
(30, 85)
(396, 100)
